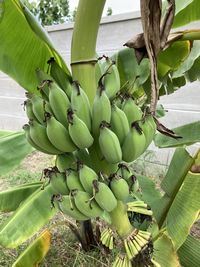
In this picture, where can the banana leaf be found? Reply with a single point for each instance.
(187, 11)
(184, 210)
(150, 194)
(35, 252)
(189, 252)
(188, 63)
(24, 46)
(189, 133)
(178, 209)
(182, 161)
(33, 214)
(12, 198)
(164, 252)
(13, 149)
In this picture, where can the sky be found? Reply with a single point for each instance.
(118, 6)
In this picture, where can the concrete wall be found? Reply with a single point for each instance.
(183, 106)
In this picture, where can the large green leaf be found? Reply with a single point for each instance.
(34, 213)
(189, 252)
(164, 252)
(186, 13)
(184, 210)
(172, 182)
(12, 198)
(190, 134)
(180, 5)
(178, 168)
(13, 149)
(150, 193)
(35, 252)
(23, 46)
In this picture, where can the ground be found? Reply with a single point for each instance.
(65, 250)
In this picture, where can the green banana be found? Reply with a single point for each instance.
(101, 110)
(138, 204)
(119, 123)
(79, 131)
(132, 111)
(99, 66)
(59, 103)
(141, 210)
(83, 156)
(73, 181)
(133, 183)
(124, 171)
(29, 110)
(135, 244)
(107, 238)
(80, 104)
(141, 242)
(109, 144)
(26, 129)
(120, 188)
(58, 181)
(134, 250)
(62, 78)
(148, 127)
(86, 205)
(68, 207)
(117, 262)
(39, 136)
(39, 107)
(128, 250)
(65, 161)
(134, 143)
(140, 239)
(43, 79)
(111, 80)
(58, 135)
(104, 196)
(87, 176)
(146, 235)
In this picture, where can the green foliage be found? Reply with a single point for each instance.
(13, 149)
(109, 11)
(33, 214)
(187, 12)
(188, 132)
(189, 252)
(27, 41)
(49, 12)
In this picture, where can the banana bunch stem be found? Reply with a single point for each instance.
(120, 220)
(83, 47)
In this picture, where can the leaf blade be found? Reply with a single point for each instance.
(28, 219)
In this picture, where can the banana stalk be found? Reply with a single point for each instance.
(120, 220)
(83, 49)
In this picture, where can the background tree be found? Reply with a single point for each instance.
(49, 12)
(109, 11)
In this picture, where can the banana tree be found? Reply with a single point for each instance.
(97, 120)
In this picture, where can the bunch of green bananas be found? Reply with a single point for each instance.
(61, 119)
(112, 131)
